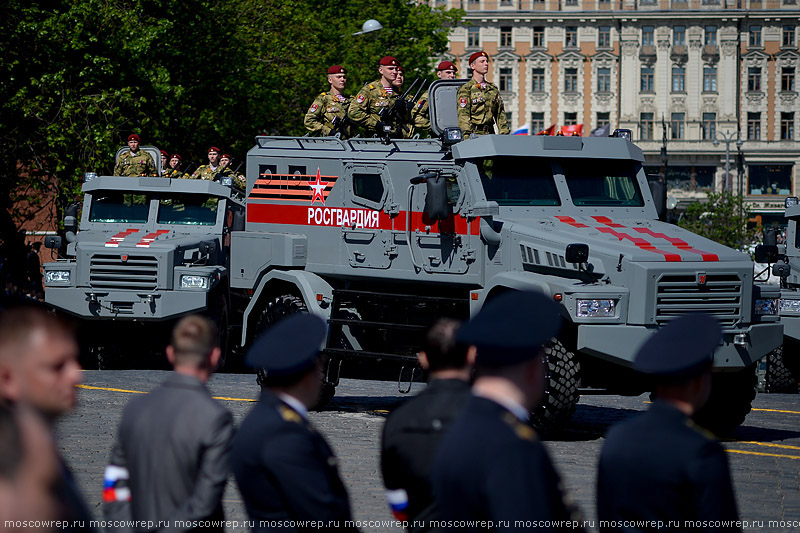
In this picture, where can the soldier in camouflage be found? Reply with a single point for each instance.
(239, 180)
(405, 130)
(174, 169)
(364, 109)
(330, 107)
(480, 106)
(135, 162)
(209, 171)
(164, 161)
(420, 115)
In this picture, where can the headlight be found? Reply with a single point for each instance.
(790, 306)
(194, 282)
(57, 276)
(596, 308)
(766, 306)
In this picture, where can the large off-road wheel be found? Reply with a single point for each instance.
(562, 378)
(780, 377)
(732, 394)
(276, 310)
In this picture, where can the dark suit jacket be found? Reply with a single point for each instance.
(174, 442)
(492, 467)
(411, 437)
(286, 471)
(659, 467)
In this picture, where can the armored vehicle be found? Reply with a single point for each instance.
(783, 365)
(149, 250)
(379, 237)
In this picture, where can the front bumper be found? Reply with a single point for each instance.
(93, 304)
(791, 327)
(619, 343)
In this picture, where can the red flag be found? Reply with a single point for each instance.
(574, 130)
(549, 131)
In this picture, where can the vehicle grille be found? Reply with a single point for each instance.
(111, 271)
(681, 294)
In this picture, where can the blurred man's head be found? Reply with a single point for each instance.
(441, 355)
(194, 348)
(38, 361)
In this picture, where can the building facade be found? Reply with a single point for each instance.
(704, 85)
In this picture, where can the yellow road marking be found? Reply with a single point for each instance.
(769, 444)
(778, 411)
(225, 398)
(765, 454)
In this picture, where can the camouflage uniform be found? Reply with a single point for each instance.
(420, 114)
(239, 180)
(479, 107)
(175, 174)
(368, 102)
(319, 117)
(205, 172)
(132, 165)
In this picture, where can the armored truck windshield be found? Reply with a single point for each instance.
(131, 208)
(120, 207)
(530, 181)
(187, 209)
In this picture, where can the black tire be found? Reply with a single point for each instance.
(562, 379)
(732, 394)
(780, 378)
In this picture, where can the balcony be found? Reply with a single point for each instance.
(710, 53)
(647, 53)
(679, 53)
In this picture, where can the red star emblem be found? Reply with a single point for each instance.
(318, 187)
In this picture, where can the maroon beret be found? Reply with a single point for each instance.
(133, 137)
(177, 155)
(388, 61)
(447, 65)
(164, 153)
(476, 55)
(337, 69)
(214, 149)
(225, 156)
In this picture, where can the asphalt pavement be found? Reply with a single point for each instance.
(764, 452)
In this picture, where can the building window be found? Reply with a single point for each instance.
(709, 126)
(770, 179)
(711, 36)
(709, 79)
(753, 126)
(647, 36)
(570, 119)
(604, 37)
(679, 35)
(604, 80)
(754, 79)
(647, 79)
(537, 121)
(571, 2)
(788, 36)
(646, 126)
(538, 36)
(506, 2)
(505, 36)
(506, 79)
(755, 36)
(509, 117)
(537, 79)
(570, 80)
(677, 125)
(474, 37)
(603, 118)
(678, 79)
(571, 36)
(787, 79)
(787, 126)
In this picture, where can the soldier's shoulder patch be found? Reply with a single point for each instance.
(289, 415)
(462, 102)
(313, 107)
(371, 86)
(522, 431)
(322, 94)
(360, 98)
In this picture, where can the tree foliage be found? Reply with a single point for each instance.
(722, 219)
(77, 77)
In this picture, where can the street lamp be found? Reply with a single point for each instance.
(727, 138)
(369, 26)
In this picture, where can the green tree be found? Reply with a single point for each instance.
(723, 218)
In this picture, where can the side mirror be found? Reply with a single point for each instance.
(577, 253)
(767, 253)
(770, 236)
(782, 270)
(436, 206)
(659, 194)
(53, 242)
(71, 218)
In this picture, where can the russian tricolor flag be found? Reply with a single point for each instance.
(524, 130)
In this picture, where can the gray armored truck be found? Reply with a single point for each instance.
(783, 365)
(380, 237)
(146, 251)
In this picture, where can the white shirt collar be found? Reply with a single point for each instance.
(295, 404)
